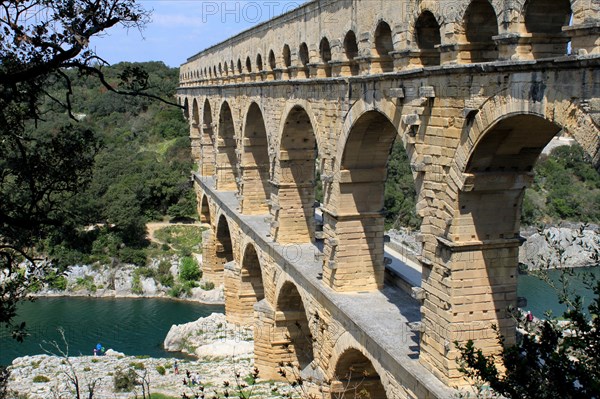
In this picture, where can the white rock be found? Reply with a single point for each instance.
(227, 348)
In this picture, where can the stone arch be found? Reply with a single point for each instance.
(220, 69)
(239, 66)
(272, 60)
(186, 109)
(292, 323)
(287, 56)
(384, 45)
(351, 52)
(195, 133)
(232, 67)
(259, 63)
(325, 54)
(243, 287)
(208, 141)
(356, 377)
(350, 45)
(217, 251)
(480, 26)
(304, 59)
(205, 210)
(256, 190)
(359, 201)
(248, 65)
(195, 112)
(428, 38)
(215, 71)
(546, 16)
(226, 69)
(554, 107)
(295, 178)
(544, 20)
(226, 165)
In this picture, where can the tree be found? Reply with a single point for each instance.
(44, 165)
(555, 360)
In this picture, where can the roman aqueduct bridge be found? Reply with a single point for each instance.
(473, 89)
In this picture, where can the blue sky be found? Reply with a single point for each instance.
(181, 28)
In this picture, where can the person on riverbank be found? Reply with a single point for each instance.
(528, 320)
(176, 367)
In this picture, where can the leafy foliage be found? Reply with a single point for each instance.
(189, 270)
(400, 193)
(558, 360)
(566, 187)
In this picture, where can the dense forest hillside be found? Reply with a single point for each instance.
(141, 170)
(566, 188)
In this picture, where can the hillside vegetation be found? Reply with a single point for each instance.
(141, 170)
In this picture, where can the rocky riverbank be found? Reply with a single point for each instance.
(126, 281)
(566, 245)
(226, 351)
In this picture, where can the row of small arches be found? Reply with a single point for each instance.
(542, 17)
(299, 328)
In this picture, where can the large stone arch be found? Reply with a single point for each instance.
(220, 251)
(292, 325)
(553, 106)
(244, 287)
(255, 168)
(475, 238)
(186, 109)
(204, 210)
(208, 141)
(348, 352)
(226, 159)
(354, 218)
(294, 177)
(196, 134)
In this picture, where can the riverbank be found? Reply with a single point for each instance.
(227, 357)
(568, 245)
(130, 281)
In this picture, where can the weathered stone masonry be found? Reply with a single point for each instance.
(474, 89)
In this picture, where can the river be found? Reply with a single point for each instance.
(139, 326)
(541, 297)
(131, 326)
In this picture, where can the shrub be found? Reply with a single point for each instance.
(189, 270)
(133, 256)
(207, 286)
(87, 283)
(124, 380)
(161, 370)
(136, 285)
(57, 282)
(41, 379)
(137, 365)
(164, 275)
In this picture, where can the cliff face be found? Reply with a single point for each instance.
(571, 245)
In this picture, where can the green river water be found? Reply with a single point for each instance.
(131, 326)
(139, 326)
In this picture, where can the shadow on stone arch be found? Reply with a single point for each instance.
(256, 190)
(292, 321)
(295, 180)
(227, 171)
(355, 377)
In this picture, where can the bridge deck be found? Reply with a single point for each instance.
(382, 316)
